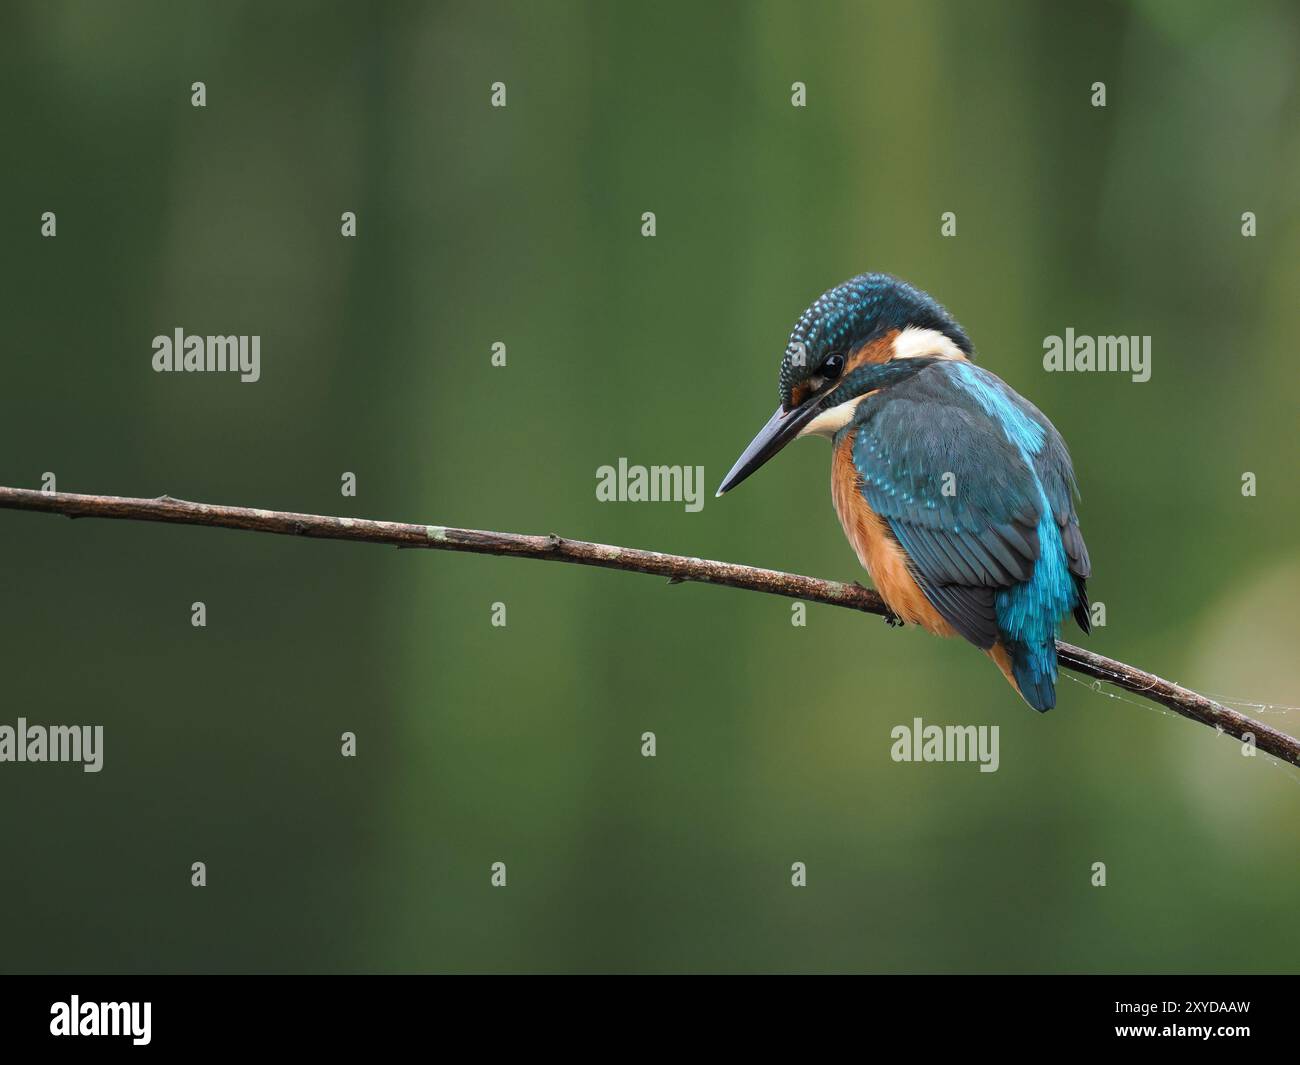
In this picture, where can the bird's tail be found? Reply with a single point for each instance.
(1031, 670)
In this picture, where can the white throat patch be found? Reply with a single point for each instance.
(830, 422)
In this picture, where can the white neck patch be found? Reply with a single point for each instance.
(912, 343)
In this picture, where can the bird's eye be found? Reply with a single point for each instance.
(831, 368)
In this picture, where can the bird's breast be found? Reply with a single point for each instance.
(876, 549)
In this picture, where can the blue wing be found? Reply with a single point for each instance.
(976, 486)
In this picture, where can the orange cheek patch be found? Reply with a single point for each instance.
(879, 350)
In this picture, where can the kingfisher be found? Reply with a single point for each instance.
(955, 492)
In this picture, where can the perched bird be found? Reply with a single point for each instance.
(956, 493)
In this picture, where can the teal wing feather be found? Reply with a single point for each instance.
(955, 493)
(976, 487)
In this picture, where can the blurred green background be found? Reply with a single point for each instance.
(522, 744)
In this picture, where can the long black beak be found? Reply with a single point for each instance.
(780, 429)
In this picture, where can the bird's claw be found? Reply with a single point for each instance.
(890, 618)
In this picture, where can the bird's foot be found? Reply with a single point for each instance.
(890, 618)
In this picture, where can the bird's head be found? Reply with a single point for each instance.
(861, 336)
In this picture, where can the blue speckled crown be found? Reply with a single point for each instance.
(856, 312)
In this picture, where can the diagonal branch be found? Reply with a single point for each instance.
(676, 568)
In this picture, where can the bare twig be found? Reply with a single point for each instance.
(677, 568)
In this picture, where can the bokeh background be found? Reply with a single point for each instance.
(522, 744)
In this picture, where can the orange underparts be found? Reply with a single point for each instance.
(876, 549)
(1003, 661)
(884, 559)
